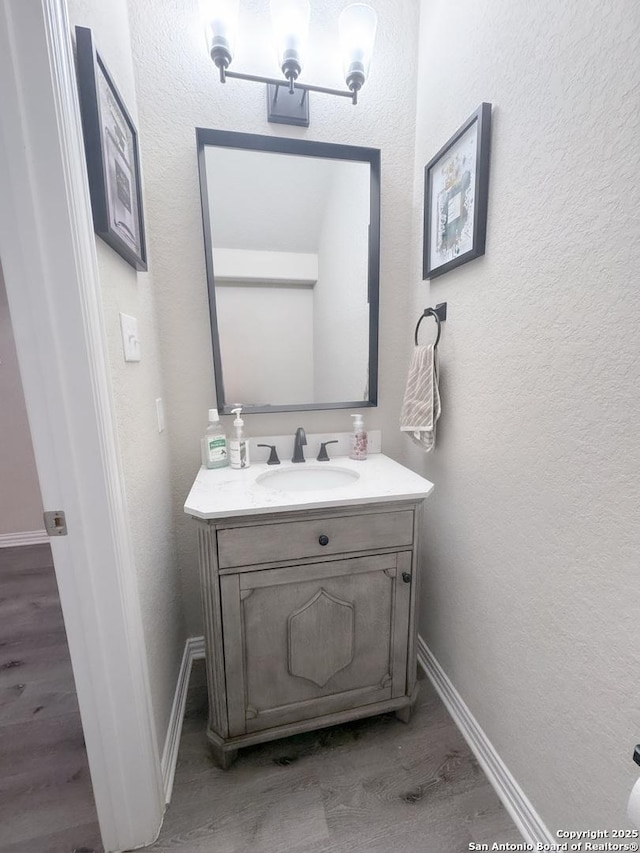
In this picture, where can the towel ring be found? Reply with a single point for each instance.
(429, 312)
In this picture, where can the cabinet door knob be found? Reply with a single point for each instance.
(323, 540)
(406, 577)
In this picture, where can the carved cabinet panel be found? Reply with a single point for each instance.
(327, 623)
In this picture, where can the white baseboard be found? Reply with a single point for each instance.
(197, 646)
(511, 794)
(193, 650)
(27, 537)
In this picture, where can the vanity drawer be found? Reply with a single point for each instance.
(292, 540)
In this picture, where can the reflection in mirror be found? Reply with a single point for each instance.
(292, 247)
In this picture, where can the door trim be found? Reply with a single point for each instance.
(48, 254)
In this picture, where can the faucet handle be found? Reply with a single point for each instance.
(273, 456)
(323, 456)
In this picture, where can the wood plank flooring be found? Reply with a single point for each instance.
(46, 798)
(371, 786)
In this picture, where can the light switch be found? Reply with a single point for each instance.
(130, 342)
(160, 414)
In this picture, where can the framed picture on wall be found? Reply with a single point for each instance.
(111, 148)
(456, 191)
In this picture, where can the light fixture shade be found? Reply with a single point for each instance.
(357, 28)
(290, 20)
(221, 24)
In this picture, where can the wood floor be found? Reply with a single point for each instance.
(372, 786)
(46, 799)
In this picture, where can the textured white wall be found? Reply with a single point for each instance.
(530, 598)
(20, 501)
(178, 90)
(144, 452)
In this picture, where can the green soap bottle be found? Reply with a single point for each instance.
(214, 443)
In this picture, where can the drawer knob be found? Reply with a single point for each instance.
(323, 540)
(406, 577)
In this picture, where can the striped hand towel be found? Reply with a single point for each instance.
(421, 407)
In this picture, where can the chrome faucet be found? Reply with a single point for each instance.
(299, 441)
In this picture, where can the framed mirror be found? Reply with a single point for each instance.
(292, 246)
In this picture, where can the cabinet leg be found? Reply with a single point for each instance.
(224, 758)
(404, 714)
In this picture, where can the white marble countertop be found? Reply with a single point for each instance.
(225, 492)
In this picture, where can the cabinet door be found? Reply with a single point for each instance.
(304, 641)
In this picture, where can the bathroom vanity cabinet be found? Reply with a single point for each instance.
(310, 618)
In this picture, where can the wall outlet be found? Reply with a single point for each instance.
(130, 342)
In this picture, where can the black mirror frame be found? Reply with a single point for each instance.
(284, 145)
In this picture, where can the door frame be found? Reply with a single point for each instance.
(48, 253)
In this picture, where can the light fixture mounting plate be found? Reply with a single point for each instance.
(286, 108)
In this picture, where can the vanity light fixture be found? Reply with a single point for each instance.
(290, 21)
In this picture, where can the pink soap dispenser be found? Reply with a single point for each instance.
(358, 439)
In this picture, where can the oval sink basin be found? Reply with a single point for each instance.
(307, 478)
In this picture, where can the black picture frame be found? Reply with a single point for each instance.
(458, 178)
(113, 163)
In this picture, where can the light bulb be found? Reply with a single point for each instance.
(290, 20)
(357, 28)
(221, 24)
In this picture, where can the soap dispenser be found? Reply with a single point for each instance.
(239, 445)
(358, 439)
(214, 443)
